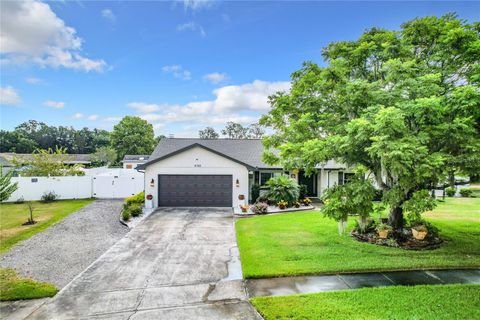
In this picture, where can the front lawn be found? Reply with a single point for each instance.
(418, 302)
(308, 243)
(13, 287)
(12, 216)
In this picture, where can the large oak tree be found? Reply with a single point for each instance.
(404, 104)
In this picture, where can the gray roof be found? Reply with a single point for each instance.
(245, 151)
(136, 158)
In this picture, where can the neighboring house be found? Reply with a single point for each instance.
(220, 172)
(8, 159)
(132, 161)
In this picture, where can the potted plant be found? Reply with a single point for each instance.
(296, 204)
(244, 208)
(383, 230)
(419, 231)
(282, 204)
(307, 202)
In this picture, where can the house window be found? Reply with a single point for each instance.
(267, 175)
(344, 177)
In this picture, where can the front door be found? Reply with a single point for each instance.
(310, 182)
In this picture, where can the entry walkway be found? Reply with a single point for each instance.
(311, 284)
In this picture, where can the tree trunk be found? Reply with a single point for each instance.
(451, 179)
(395, 219)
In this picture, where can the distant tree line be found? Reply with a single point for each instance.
(32, 135)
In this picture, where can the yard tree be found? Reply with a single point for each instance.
(48, 162)
(208, 133)
(404, 104)
(7, 187)
(132, 135)
(105, 156)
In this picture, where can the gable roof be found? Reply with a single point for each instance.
(136, 158)
(245, 151)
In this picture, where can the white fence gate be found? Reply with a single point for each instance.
(116, 186)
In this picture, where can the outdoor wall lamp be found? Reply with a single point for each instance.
(152, 183)
(237, 183)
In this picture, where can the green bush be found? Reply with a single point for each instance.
(255, 192)
(465, 192)
(302, 191)
(126, 215)
(49, 197)
(135, 209)
(282, 188)
(450, 192)
(138, 199)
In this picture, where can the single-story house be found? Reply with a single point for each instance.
(131, 161)
(220, 172)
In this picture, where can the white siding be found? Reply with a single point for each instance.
(199, 161)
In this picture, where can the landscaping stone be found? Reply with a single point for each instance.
(65, 249)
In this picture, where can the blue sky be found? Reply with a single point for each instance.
(180, 65)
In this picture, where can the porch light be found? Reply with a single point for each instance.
(237, 183)
(152, 183)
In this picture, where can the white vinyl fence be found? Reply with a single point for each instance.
(78, 187)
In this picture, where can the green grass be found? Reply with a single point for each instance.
(12, 216)
(419, 302)
(13, 287)
(308, 243)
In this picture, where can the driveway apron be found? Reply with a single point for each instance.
(179, 263)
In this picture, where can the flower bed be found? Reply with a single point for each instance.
(274, 210)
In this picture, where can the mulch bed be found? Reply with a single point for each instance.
(404, 240)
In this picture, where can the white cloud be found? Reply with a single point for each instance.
(93, 117)
(178, 72)
(144, 107)
(32, 32)
(197, 4)
(237, 103)
(192, 26)
(78, 116)
(33, 80)
(54, 104)
(215, 77)
(9, 96)
(107, 14)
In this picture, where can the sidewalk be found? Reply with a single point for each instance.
(310, 284)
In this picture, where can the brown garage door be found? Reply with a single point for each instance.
(194, 190)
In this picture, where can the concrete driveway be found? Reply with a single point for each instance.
(176, 264)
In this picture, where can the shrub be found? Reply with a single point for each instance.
(450, 192)
(296, 204)
(465, 192)
(139, 198)
(302, 189)
(136, 209)
(20, 200)
(255, 192)
(49, 197)
(307, 201)
(282, 188)
(384, 226)
(259, 208)
(126, 215)
(282, 204)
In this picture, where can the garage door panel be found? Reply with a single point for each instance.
(195, 190)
